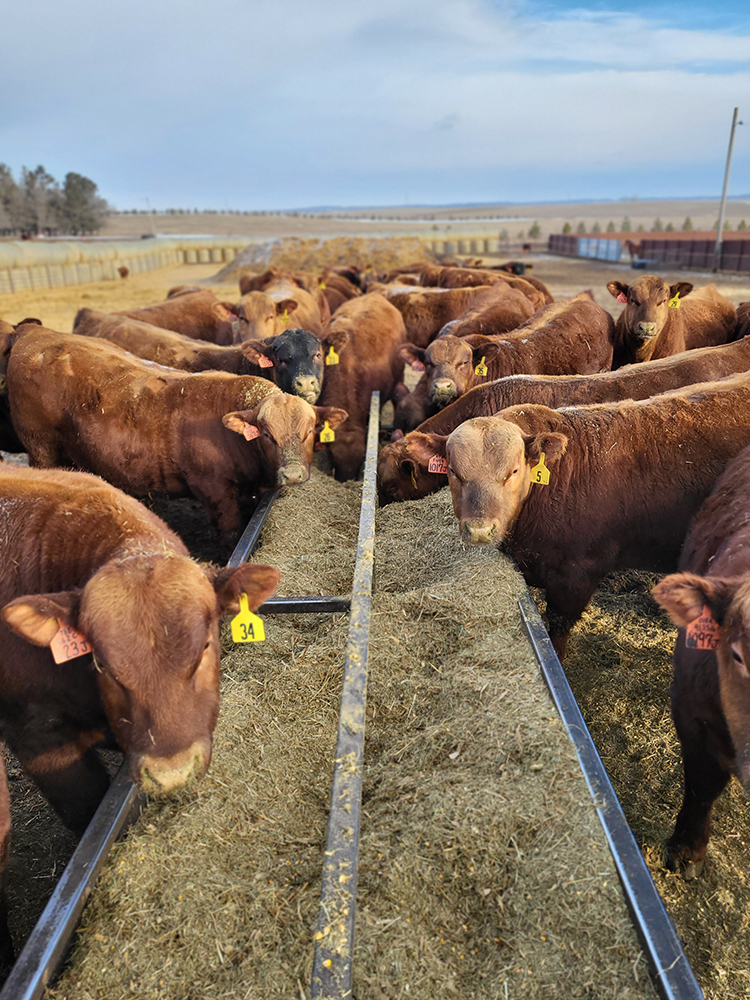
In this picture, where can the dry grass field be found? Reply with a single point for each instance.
(483, 867)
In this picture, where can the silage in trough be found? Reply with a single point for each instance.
(483, 868)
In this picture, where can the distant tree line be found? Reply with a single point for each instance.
(657, 227)
(37, 203)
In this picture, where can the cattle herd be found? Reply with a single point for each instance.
(578, 444)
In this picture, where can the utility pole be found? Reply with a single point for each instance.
(717, 249)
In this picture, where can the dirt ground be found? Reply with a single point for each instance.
(619, 666)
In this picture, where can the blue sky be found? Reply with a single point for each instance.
(249, 105)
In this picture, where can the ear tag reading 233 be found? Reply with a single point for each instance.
(327, 435)
(481, 368)
(68, 643)
(540, 472)
(247, 627)
(703, 632)
(674, 302)
(332, 357)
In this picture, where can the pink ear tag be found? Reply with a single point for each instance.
(622, 297)
(250, 432)
(68, 643)
(265, 362)
(703, 632)
(438, 464)
(417, 366)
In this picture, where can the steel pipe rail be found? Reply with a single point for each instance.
(334, 940)
(670, 969)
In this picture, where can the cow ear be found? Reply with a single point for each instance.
(399, 394)
(424, 445)
(258, 582)
(254, 350)
(412, 354)
(332, 414)
(683, 595)
(242, 422)
(616, 288)
(336, 339)
(682, 288)
(551, 443)
(325, 308)
(35, 617)
(286, 305)
(486, 351)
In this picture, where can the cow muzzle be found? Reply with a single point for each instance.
(645, 331)
(479, 533)
(290, 475)
(162, 775)
(307, 387)
(443, 391)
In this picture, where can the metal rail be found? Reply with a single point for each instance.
(334, 940)
(251, 535)
(667, 960)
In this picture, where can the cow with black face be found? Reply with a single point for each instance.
(292, 359)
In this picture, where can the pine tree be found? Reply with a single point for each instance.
(687, 225)
(596, 228)
(658, 226)
(625, 226)
(535, 231)
(610, 227)
(82, 210)
(669, 228)
(581, 228)
(567, 228)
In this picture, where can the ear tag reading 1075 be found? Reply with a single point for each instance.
(674, 302)
(68, 643)
(327, 435)
(703, 632)
(622, 297)
(437, 464)
(481, 368)
(332, 357)
(540, 472)
(247, 627)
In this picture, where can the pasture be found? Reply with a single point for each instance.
(484, 872)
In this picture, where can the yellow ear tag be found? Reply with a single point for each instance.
(285, 317)
(247, 627)
(481, 368)
(327, 435)
(674, 303)
(323, 285)
(540, 472)
(332, 357)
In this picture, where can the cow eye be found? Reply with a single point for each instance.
(736, 656)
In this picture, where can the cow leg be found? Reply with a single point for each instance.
(6, 942)
(566, 603)
(705, 778)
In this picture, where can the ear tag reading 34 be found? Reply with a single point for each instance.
(264, 362)
(622, 297)
(703, 632)
(247, 627)
(68, 643)
(250, 432)
(437, 464)
(327, 435)
(540, 472)
(332, 357)
(674, 303)
(481, 368)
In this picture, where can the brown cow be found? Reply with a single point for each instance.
(709, 600)
(88, 404)
(743, 320)
(427, 310)
(463, 277)
(659, 319)
(147, 678)
(573, 336)
(297, 307)
(501, 310)
(195, 314)
(402, 477)
(365, 334)
(625, 480)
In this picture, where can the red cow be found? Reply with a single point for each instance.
(743, 320)
(709, 599)
(86, 403)
(365, 334)
(624, 481)
(657, 322)
(195, 314)
(144, 675)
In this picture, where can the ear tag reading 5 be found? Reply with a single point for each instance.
(481, 368)
(674, 302)
(327, 435)
(68, 643)
(332, 357)
(622, 297)
(437, 464)
(250, 432)
(264, 362)
(247, 627)
(540, 472)
(703, 632)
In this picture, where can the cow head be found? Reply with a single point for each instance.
(296, 357)
(283, 427)
(152, 620)
(683, 596)
(449, 364)
(257, 314)
(647, 303)
(403, 468)
(489, 472)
